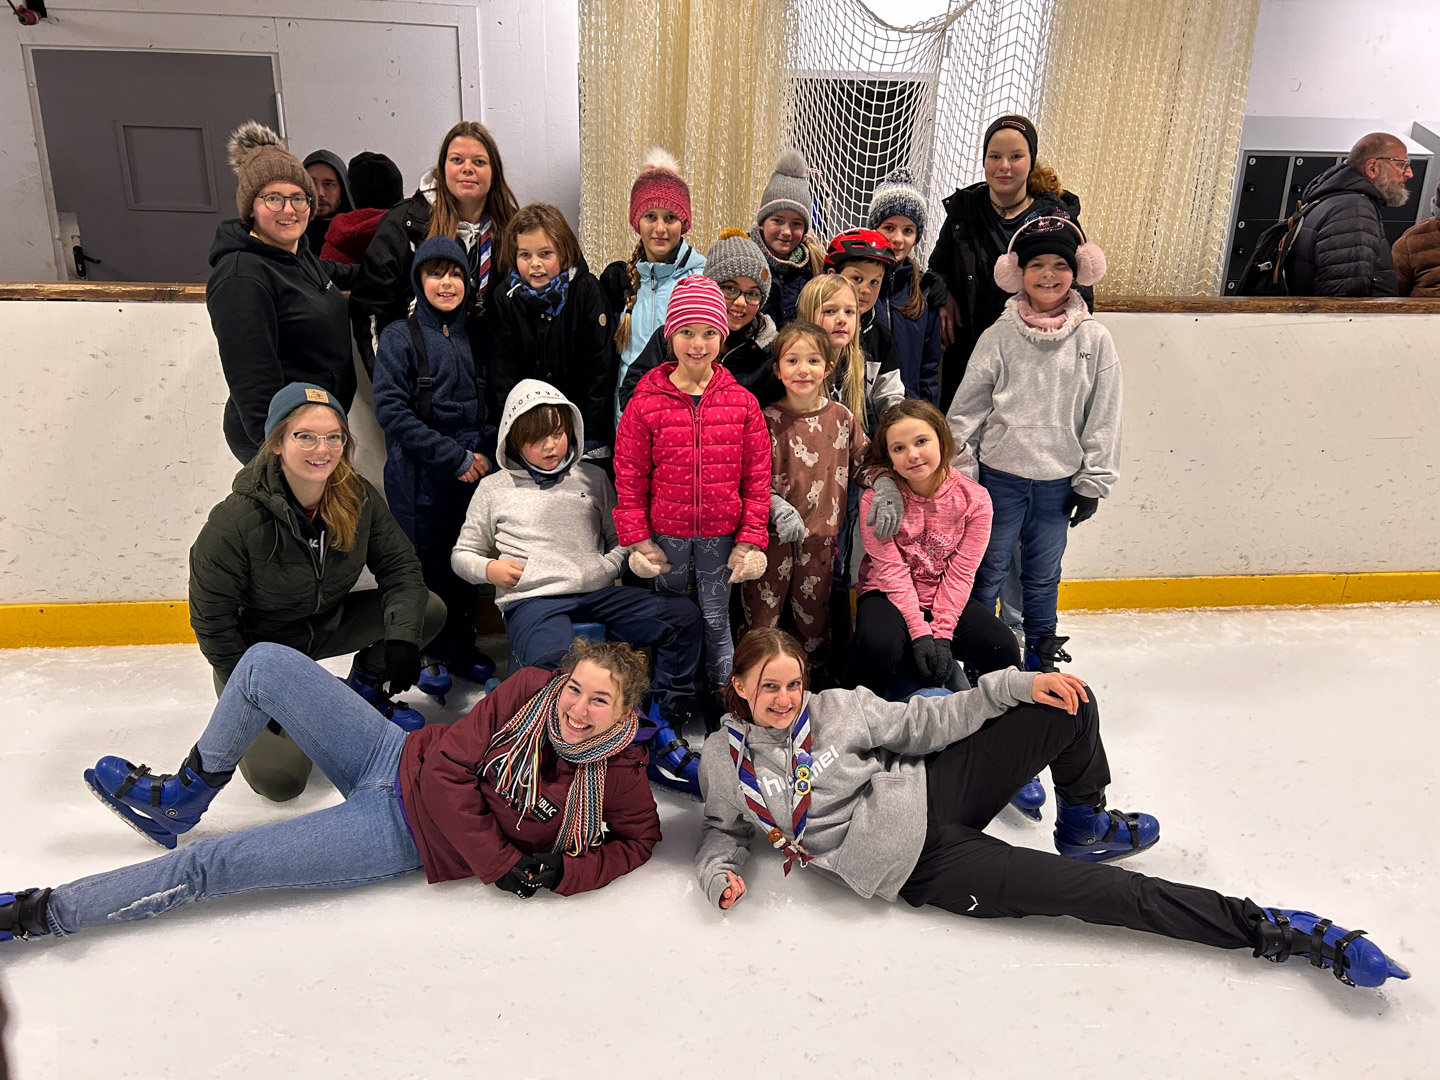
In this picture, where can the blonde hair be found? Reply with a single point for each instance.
(816, 250)
(343, 499)
(852, 357)
(499, 202)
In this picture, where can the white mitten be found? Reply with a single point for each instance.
(746, 563)
(647, 560)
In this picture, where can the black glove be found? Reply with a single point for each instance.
(1079, 507)
(517, 880)
(402, 665)
(546, 869)
(932, 658)
(933, 286)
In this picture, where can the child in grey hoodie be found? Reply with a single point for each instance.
(1037, 419)
(540, 529)
(892, 798)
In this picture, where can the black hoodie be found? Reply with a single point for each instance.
(278, 318)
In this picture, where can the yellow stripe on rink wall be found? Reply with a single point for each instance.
(167, 622)
(161, 622)
(1279, 590)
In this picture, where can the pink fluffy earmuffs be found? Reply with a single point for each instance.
(1089, 259)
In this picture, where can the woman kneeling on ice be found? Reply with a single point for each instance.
(890, 799)
(520, 793)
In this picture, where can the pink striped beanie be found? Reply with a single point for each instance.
(695, 299)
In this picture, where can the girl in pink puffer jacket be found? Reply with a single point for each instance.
(692, 471)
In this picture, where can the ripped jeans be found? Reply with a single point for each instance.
(359, 842)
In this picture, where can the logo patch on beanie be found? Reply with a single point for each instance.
(320, 397)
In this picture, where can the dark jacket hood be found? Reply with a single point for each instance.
(232, 235)
(1341, 178)
(440, 247)
(327, 157)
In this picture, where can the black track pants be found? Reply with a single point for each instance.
(965, 871)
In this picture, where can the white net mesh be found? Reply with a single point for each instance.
(866, 97)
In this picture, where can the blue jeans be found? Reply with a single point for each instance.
(541, 630)
(699, 563)
(1011, 598)
(363, 840)
(1032, 511)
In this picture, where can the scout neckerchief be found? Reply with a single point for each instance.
(800, 745)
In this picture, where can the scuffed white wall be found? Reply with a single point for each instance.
(381, 75)
(1253, 444)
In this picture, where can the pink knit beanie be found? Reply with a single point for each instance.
(696, 299)
(660, 185)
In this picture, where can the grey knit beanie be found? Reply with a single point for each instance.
(734, 255)
(258, 159)
(788, 189)
(898, 195)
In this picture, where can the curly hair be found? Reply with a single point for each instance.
(627, 665)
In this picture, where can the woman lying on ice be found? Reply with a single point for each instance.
(890, 799)
(516, 793)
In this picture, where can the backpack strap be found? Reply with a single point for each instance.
(423, 381)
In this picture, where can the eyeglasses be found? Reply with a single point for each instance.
(1404, 163)
(309, 440)
(733, 293)
(277, 202)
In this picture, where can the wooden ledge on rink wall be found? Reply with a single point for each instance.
(104, 291)
(167, 622)
(1262, 305)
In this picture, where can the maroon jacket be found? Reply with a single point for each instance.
(463, 829)
(349, 235)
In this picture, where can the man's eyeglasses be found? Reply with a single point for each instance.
(277, 202)
(1404, 163)
(733, 292)
(309, 440)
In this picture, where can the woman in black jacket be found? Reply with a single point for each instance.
(979, 222)
(278, 312)
(464, 197)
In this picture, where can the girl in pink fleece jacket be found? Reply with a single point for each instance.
(915, 613)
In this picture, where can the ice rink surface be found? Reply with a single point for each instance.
(1290, 756)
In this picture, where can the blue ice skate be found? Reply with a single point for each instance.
(673, 764)
(22, 914)
(434, 682)
(1090, 835)
(369, 687)
(1029, 799)
(159, 808)
(1355, 960)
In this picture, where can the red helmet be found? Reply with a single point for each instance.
(859, 244)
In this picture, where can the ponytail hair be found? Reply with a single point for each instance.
(852, 356)
(1043, 180)
(756, 649)
(622, 332)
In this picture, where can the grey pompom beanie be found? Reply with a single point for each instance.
(788, 189)
(736, 255)
(898, 195)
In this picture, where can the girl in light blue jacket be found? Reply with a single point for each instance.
(638, 290)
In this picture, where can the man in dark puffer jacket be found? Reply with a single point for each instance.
(1340, 248)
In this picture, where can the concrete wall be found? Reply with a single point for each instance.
(353, 75)
(1253, 444)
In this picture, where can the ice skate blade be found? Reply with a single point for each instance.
(147, 828)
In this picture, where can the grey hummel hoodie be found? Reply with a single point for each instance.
(867, 813)
(563, 534)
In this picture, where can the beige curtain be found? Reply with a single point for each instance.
(702, 79)
(1140, 111)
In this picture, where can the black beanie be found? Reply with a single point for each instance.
(1047, 236)
(1015, 123)
(375, 181)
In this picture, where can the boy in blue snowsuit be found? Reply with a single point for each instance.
(430, 400)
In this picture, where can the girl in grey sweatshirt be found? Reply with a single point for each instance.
(891, 799)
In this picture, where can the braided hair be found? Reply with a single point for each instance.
(622, 332)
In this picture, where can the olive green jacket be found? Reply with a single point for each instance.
(255, 577)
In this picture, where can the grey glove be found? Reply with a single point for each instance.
(933, 659)
(886, 506)
(789, 525)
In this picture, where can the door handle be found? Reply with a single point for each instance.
(80, 260)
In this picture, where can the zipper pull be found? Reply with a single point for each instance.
(445, 329)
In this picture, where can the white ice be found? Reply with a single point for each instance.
(1290, 756)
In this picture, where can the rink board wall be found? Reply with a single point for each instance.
(1255, 444)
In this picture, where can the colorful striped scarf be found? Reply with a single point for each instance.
(515, 766)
